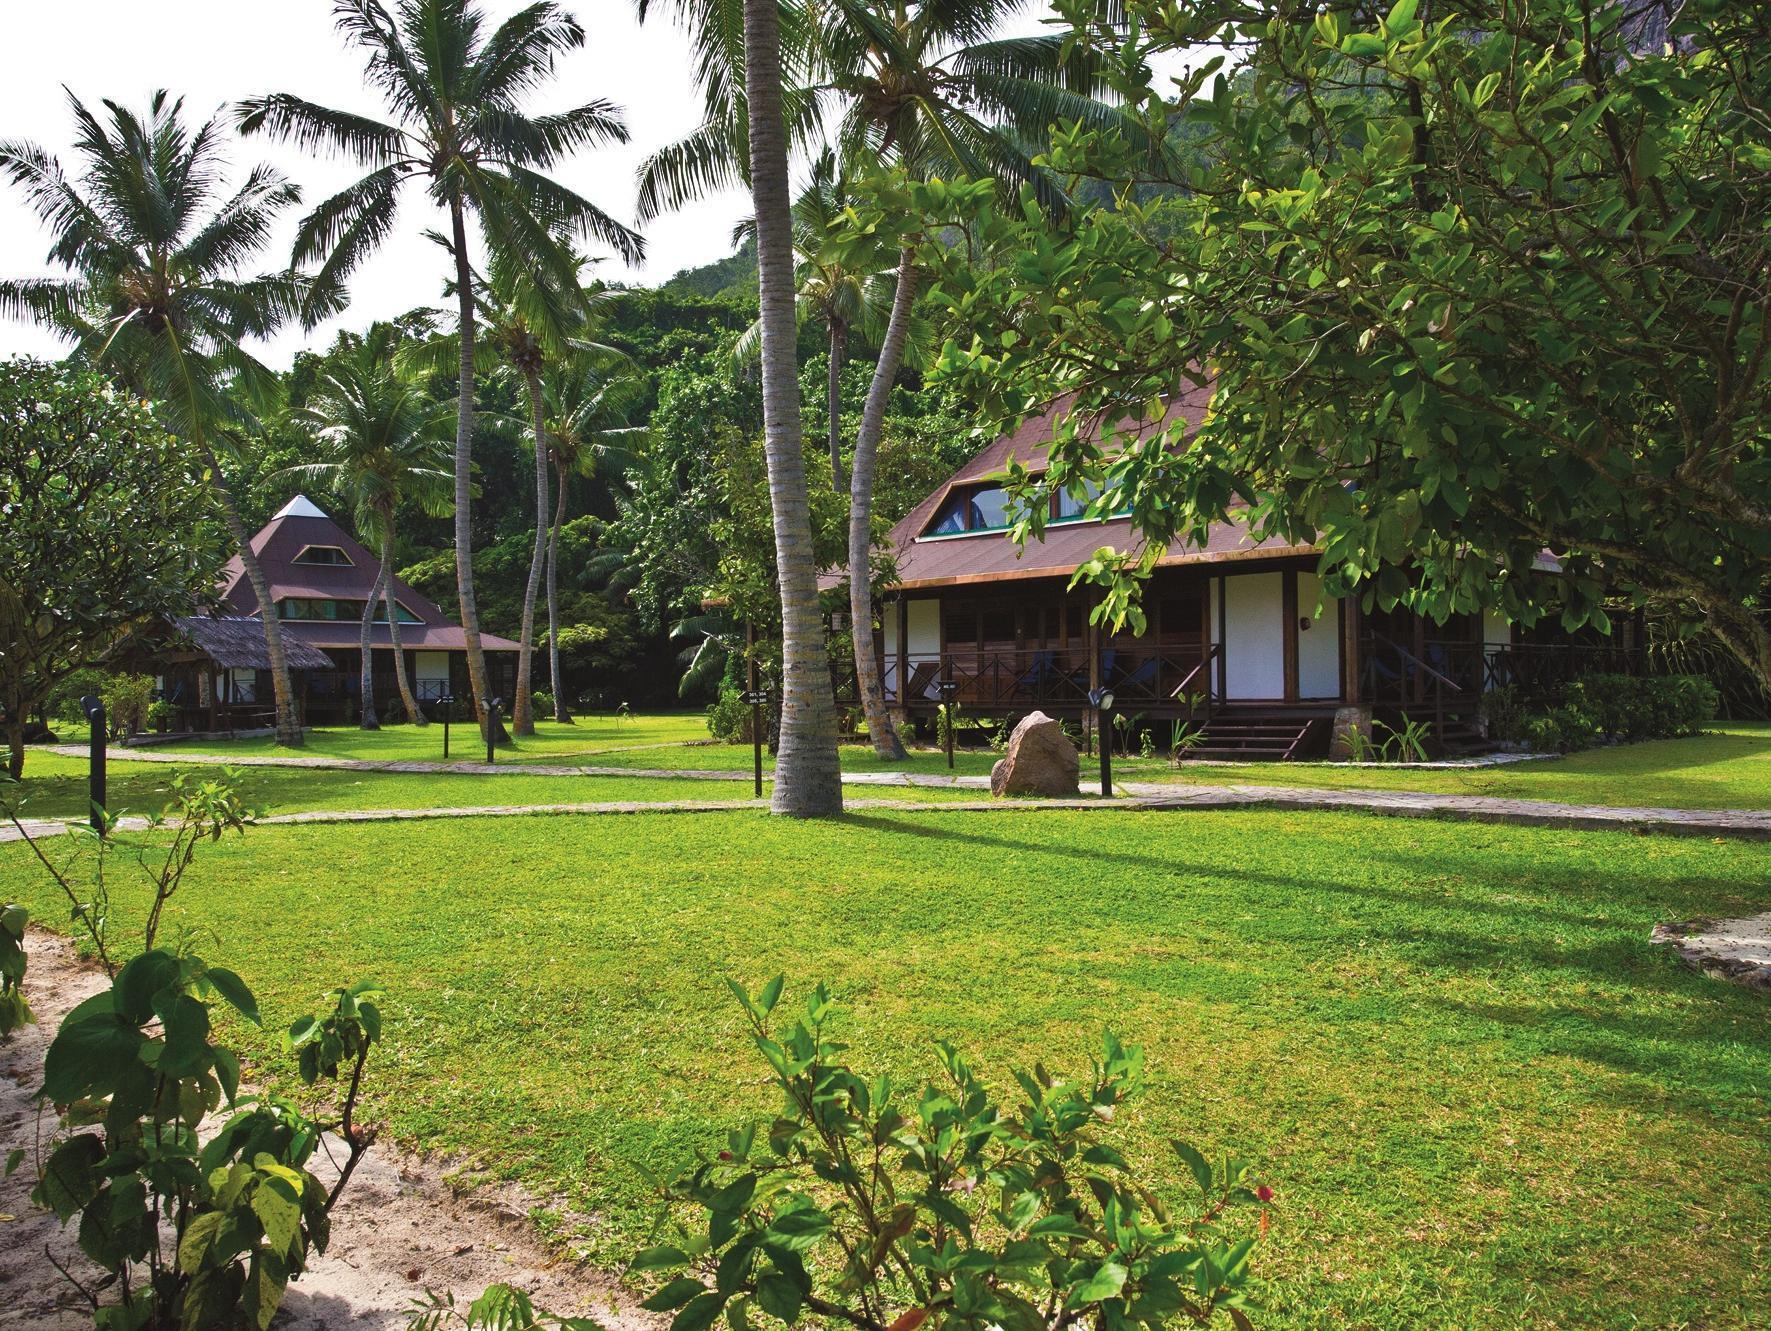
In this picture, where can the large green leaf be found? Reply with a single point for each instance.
(90, 1057)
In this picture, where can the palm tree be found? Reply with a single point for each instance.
(729, 36)
(154, 241)
(925, 85)
(456, 96)
(842, 295)
(383, 444)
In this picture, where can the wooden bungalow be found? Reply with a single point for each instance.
(1241, 638)
(320, 581)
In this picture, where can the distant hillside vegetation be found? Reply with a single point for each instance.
(733, 276)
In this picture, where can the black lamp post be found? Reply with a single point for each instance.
(1102, 701)
(949, 690)
(448, 701)
(95, 775)
(492, 727)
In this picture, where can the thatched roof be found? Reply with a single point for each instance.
(238, 644)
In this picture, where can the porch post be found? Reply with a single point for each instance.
(1352, 669)
(1223, 643)
(214, 700)
(1288, 608)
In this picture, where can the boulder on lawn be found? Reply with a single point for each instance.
(1041, 761)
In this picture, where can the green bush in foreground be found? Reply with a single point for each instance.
(192, 1233)
(865, 1205)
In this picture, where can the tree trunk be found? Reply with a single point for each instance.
(839, 339)
(464, 407)
(414, 713)
(808, 777)
(15, 748)
(288, 722)
(523, 709)
(886, 744)
(366, 718)
(560, 712)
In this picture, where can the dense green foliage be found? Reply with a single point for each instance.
(1464, 281)
(1596, 708)
(109, 528)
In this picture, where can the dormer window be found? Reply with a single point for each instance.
(976, 508)
(330, 555)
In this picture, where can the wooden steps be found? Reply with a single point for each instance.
(1259, 736)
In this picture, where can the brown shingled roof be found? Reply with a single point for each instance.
(300, 525)
(991, 556)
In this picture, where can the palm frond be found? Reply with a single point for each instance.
(315, 128)
(522, 53)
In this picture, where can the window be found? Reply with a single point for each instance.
(322, 554)
(972, 508)
(406, 616)
(1069, 506)
(313, 608)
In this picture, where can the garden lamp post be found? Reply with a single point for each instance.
(1102, 701)
(95, 775)
(492, 727)
(448, 701)
(949, 690)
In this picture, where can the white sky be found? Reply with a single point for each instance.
(214, 52)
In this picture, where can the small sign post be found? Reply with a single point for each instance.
(448, 701)
(492, 728)
(95, 775)
(756, 699)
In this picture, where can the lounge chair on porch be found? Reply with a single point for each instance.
(1031, 684)
(922, 682)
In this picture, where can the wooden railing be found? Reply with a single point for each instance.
(1538, 668)
(1449, 678)
(1141, 680)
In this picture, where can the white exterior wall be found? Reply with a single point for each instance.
(1254, 643)
(1496, 632)
(1319, 646)
(924, 637)
(430, 668)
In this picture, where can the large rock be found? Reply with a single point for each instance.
(1041, 761)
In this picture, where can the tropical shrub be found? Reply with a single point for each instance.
(729, 716)
(194, 1227)
(880, 1206)
(126, 699)
(14, 1011)
(161, 713)
(542, 701)
(1595, 708)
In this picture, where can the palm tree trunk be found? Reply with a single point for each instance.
(886, 744)
(839, 340)
(523, 711)
(470, 610)
(560, 714)
(414, 713)
(808, 777)
(366, 718)
(288, 723)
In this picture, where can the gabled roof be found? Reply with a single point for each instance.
(301, 523)
(991, 556)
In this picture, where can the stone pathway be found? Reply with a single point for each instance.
(1738, 950)
(1138, 796)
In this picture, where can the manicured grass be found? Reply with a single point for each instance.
(1728, 768)
(1482, 1098)
(55, 787)
(550, 743)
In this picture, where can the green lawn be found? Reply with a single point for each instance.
(55, 787)
(577, 742)
(1728, 768)
(1483, 1100)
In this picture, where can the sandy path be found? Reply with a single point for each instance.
(398, 1230)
